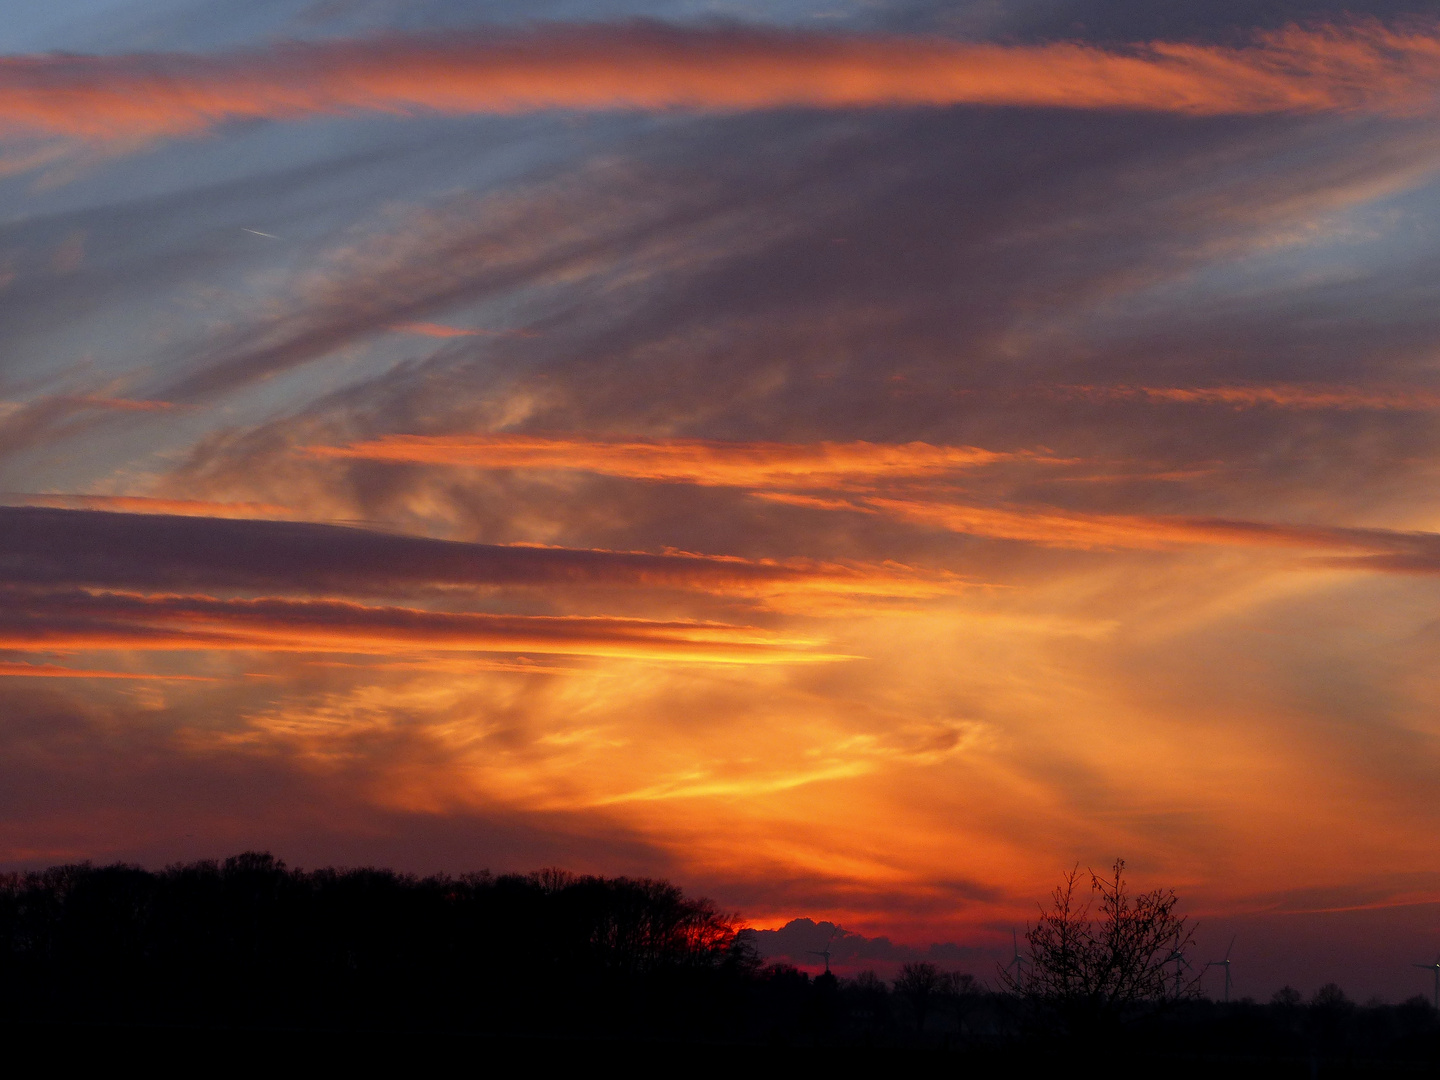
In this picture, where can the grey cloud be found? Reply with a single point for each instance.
(972, 266)
(1119, 21)
(799, 941)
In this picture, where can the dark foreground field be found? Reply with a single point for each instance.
(266, 1051)
(248, 964)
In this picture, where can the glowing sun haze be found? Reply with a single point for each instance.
(857, 464)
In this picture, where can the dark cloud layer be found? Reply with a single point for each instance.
(44, 546)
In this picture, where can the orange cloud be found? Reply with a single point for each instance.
(695, 461)
(783, 467)
(440, 330)
(1057, 528)
(102, 621)
(146, 504)
(641, 65)
(1279, 396)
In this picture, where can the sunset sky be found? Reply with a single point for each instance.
(855, 458)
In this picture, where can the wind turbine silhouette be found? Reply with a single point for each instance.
(1181, 966)
(1017, 962)
(1226, 965)
(1435, 967)
(825, 952)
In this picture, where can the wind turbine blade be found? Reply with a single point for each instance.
(1232, 945)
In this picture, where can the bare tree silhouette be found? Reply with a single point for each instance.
(1091, 965)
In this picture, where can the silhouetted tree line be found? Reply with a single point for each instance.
(925, 1006)
(249, 942)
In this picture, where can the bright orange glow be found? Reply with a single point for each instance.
(54, 671)
(649, 66)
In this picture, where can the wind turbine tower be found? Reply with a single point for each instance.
(1435, 967)
(825, 952)
(1017, 962)
(1226, 965)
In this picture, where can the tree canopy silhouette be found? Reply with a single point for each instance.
(251, 940)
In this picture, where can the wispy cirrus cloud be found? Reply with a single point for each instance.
(1279, 396)
(647, 65)
(462, 250)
